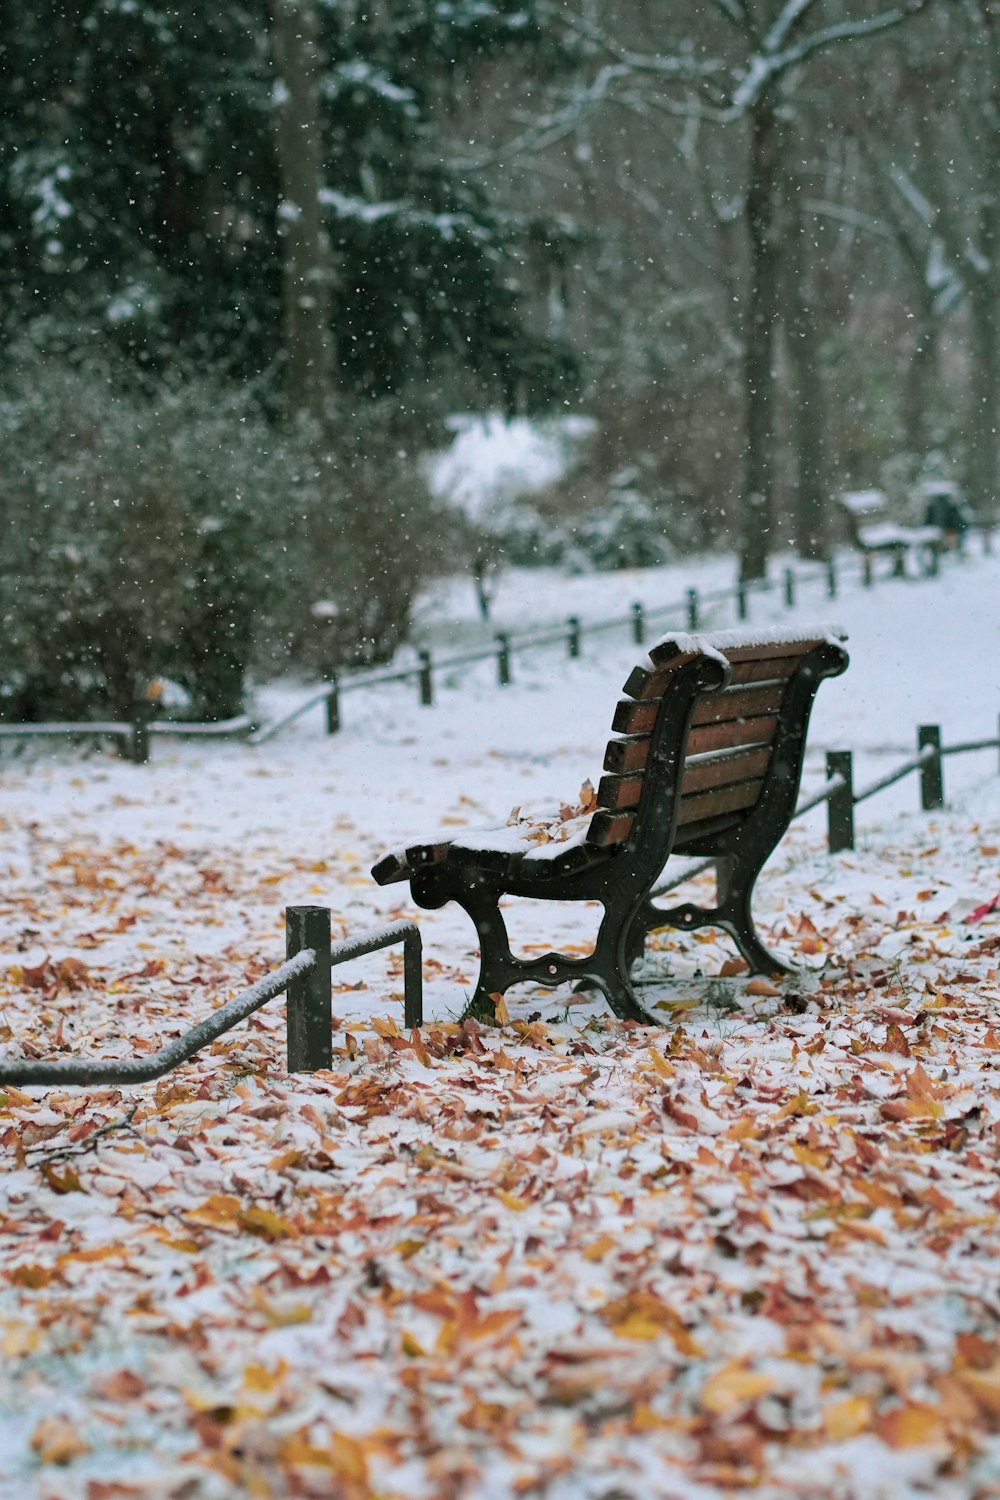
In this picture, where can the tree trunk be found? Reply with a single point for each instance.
(921, 382)
(984, 296)
(307, 264)
(761, 319)
(811, 500)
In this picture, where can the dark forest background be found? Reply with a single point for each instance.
(252, 256)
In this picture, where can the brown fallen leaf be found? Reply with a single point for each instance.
(57, 1441)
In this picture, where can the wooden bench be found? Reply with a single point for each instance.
(871, 530)
(705, 760)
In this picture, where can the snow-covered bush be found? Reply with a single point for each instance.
(626, 531)
(169, 531)
(129, 523)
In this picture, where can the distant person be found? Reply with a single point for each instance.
(946, 511)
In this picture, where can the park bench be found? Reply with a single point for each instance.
(705, 759)
(872, 531)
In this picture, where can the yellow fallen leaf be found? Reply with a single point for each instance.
(500, 1011)
(642, 1315)
(732, 1386)
(32, 1276)
(410, 1346)
(599, 1248)
(260, 1378)
(220, 1211)
(511, 1200)
(406, 1248)
(660, 1064)
(268, 1225)
(845, 1419)
(984, 1387)
(348, 1459)
(386, 1027)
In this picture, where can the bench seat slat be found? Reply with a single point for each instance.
(750, 664)
(702, 836)
(759, 731)
(617, 792)
(725, 770)
(768, 669)
(725, 799)
(608, 828)
(626, 754)
(739, 703)
(736, 654)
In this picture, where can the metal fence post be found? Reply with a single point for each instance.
(333, 706)
(931, 779)
(413, 980)
(692, 609)
(426, 679)
(741, 601)
(840, 804)
(503, 659)
(831, 578)
(310, 1004)
(573, 636)
(138, 747)
(789, 588)
(867, 571)
(638, 624)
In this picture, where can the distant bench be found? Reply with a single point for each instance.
(705, 760)
(870, 529)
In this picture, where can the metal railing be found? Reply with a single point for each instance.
(134, 735)
(306, 979)
(687, 614)
(841, 799)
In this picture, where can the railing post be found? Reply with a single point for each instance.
(931, 779)
(310, 1005)
(503, 659)
(831, 577)
(413, 980)
(638, 624)
(138, 745)
(333, 706)
(867, 571)
(840, 804)
(426, 679)
(932, 560)
(573, 636)
(789, 588)
(692, 609)
(741, 601)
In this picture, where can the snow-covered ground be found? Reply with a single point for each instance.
(569, 1259)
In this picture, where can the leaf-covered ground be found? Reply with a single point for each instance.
(755, 1248)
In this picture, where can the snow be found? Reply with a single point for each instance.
(569, 1258)
(492, 460)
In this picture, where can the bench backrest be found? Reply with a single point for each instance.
(734, 729)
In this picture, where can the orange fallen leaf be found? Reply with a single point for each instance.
(761, 986)
(910, 1426)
